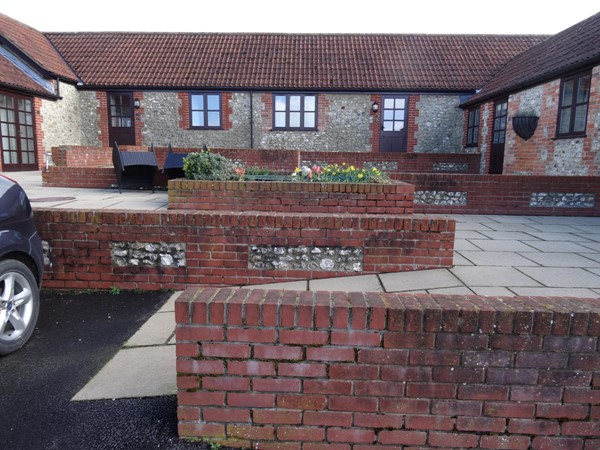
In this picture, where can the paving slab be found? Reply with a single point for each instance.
(550, 228)
(481, 258)
(460, 260)
(419, 280)
(460, 290)
(554, 292)
(365, 283)
(563, 237)
(514, 227)
(501, 246)
(591, 245)
(558, 260)
(509, 235)
(158, 330)
(493, 291)
(562, 277)
(134, 372)
(288, 286)
(469, 234)
(492, 276)
(463, 244)
(556, 247)
(593, 256)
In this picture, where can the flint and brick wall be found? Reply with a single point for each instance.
(320, 370)
(218, 245)
(299, 197)
(506, 194)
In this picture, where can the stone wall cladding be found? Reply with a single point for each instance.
(91, 127)
(148, 254)
(440, 198)
(562, 200)
(366, 370)
(342, 259)
(440, 124)
(450, 167)
(62, 119)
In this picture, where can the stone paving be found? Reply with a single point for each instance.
(494, 255)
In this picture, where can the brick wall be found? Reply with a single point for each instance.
(218, 245)
(82, 156)
(319, 370)
(504, 194)
(337, 198)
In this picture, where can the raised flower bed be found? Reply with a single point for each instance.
(289, 196)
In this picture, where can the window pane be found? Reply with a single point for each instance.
(3, 115)
(476, 120)
(567, 97)
(198, 118)
(388, 125)
(583, 93)
(213, 102)
(398, 126)
(213, 119)
(197, 102)
(3, 100)
(388, 114)
(310, 103)
(279, 103)
(280, 119)
(580, 116)
(565, 121)
(309, 120)
(294, 120)
(400, 103)
(388, 103)
(399, 114)
(294, 103)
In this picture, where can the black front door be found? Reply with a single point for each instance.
(393, 124)
(499, 136)
(120, 118)
(17, 133)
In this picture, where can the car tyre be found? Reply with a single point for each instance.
(19, 305)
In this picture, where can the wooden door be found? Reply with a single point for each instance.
(394, 116)
(121, 127)
(498, 136)
(17, 133)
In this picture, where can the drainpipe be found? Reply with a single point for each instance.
(251, 119)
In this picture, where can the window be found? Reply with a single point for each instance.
(17, 133)
(473, 128)
(295, 112)
(205, 110)
(574, 99)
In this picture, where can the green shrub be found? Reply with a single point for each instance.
(208, 166)
(341, 174)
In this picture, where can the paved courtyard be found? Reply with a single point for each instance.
(494, 255)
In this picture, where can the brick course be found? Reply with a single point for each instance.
(358, 399)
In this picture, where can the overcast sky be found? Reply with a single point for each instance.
(305, 16)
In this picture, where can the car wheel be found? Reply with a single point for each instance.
(19, 305)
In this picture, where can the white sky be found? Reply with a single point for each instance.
(304, 16)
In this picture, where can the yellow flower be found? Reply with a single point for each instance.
(360, 175)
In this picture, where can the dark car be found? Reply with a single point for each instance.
(21, 267)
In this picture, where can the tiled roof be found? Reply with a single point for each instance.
(13, 78)
(288, 61)
(36, 46)
(572, 49)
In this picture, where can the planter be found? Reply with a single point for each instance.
(297, 197)
(525, 126)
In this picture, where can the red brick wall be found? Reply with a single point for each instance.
(102, 98)
(82, 156)
(277, 196)
(503, 194)
(218, 245)
(319, 370)
(80, 177)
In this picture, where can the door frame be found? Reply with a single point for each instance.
(122, 135)
(387, 141)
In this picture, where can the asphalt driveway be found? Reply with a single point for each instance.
(77, 334)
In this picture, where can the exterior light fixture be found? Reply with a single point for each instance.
(136, 103)
(375, 107)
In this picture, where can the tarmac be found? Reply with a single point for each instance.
(494, 255)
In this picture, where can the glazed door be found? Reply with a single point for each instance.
(498, 136)
(17, 133)
(393, 124)
(120, 119)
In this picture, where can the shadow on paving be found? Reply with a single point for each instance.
(76, 335)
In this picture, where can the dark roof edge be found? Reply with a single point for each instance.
(24, 90)
(553, 75)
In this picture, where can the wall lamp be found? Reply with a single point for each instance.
(375, 107)
(136, 103)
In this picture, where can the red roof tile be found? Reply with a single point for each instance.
(286, 61)
(575, 48)
(36, 46)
